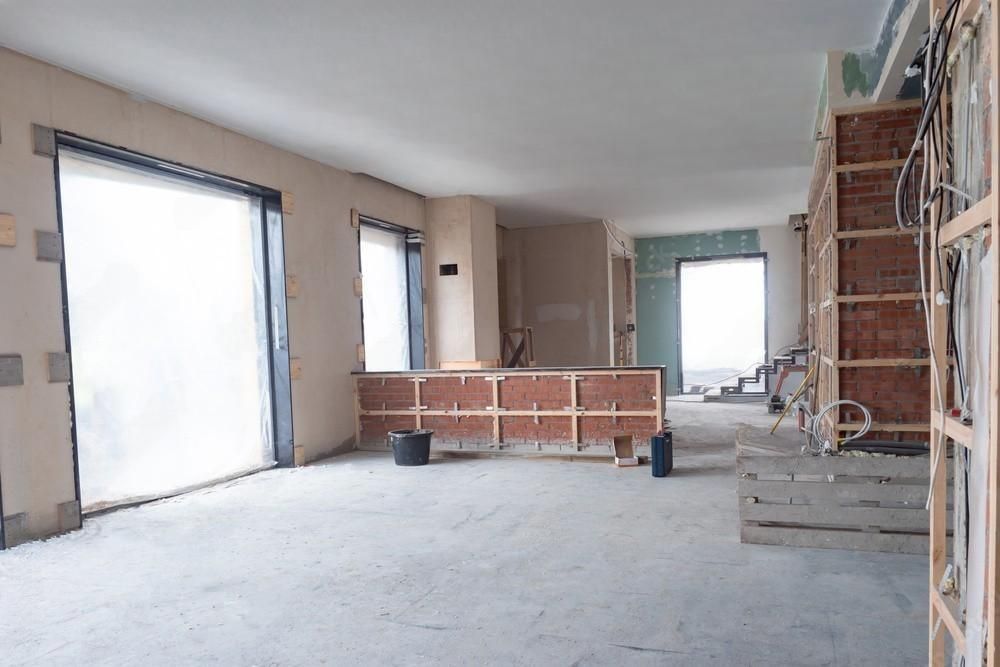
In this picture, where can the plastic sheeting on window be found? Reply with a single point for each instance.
(167, 310)
(981, 355)
(723, 307)
(386, 300)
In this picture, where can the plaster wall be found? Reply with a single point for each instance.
(36, 459)
(485, 293)
(463, 309)
(558, 283)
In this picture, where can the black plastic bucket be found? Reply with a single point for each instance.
(411, 447)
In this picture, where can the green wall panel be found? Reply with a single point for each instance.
(656, 288)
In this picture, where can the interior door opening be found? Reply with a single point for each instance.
(723, 317)
(169, 326)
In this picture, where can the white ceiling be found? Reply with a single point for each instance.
(665, 115)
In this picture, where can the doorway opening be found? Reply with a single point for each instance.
(178, 346)
(622, 308)
(723, 321)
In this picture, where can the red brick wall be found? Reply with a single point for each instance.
(879, 265)
(519, 390)
(876, 135)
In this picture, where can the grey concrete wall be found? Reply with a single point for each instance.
(36, 464)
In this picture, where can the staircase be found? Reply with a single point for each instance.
(757, 387)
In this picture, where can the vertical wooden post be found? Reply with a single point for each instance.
(573, 407)
(357, 414)
(416, 402)
(993, 546)
(834, 286)
(496, 411)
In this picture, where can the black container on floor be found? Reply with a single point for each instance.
(411, 447)
(662, 447)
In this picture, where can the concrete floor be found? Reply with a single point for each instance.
(356, 561)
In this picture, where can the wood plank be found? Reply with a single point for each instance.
(512, 413)
(875, 233)
(869, 166)
(953, 428)
(889, 296)
(916, 520)
(870, 108)
(818, 538)
(909, 467)
(993, 527)
(967, 222)
(950, 616)
(887, 427)
(514, 371)
(880, 363)
(839, 491)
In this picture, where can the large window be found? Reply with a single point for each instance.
(170, 324)
(392, 304)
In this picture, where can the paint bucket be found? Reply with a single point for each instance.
(411, 447)
(662, 450)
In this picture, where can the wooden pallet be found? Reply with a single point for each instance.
(865, 503)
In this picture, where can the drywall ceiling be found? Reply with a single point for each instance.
(668, 116)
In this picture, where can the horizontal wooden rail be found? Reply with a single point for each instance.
(869, 166)
(882, 363)
(877, 426)
(888, 296)
(509, 413)
(966, 223)
(876, 233)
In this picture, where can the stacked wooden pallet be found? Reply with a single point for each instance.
(868, 503)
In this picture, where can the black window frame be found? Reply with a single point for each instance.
(272, 247)
(414, 286)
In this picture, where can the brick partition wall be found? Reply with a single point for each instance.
(554, 411)
(867, 323)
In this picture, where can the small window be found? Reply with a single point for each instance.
(448, 269)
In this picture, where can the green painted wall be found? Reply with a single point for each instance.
(656, 288)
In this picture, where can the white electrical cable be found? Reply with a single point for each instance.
(615, 238)
(816, 420)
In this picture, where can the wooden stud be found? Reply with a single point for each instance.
(295, 368)
(993, 529)
(287, 203)
(291, 286)
(359, 288)
(869, 166)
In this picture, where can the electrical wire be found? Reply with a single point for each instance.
(817, 420)
(614, 238)
(930, 129)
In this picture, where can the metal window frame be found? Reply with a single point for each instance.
(414, 287)
(271, 239)
(716, 258)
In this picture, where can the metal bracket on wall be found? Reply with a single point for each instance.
(69, 515)
(48, 246)
(43, 140)
(11, 370)
(59, 367)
